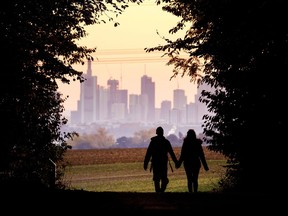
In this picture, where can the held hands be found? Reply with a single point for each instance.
(177, 164)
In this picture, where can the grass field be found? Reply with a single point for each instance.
(121, 170)
(113, 181)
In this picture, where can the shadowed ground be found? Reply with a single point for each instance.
(56, 202)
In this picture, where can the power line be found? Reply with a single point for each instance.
(115, 56)
(126, 56)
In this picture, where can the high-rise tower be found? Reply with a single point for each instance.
(87, 105)
(148, 98)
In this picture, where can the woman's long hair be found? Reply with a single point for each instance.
(191, 134)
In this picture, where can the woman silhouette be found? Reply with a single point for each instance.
(192, 155)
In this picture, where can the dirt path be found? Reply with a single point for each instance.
(78, 202)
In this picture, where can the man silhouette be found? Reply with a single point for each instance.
(158, 150)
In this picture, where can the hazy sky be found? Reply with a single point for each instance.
(120, 54)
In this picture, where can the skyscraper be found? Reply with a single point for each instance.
(112, 95)
(201, 106)
(89, 96)
(148, 91)
(179, 106)
(134, 107)
(179, 99)
(87, 106)
(117, 100)
(165, 111)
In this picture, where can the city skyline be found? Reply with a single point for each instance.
(99, 104)
(120, 53)
(127, 71)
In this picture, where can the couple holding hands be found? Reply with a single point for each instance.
(192, 156)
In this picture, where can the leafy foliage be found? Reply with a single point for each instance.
(39, 45)
(241, 51)
(100, 139)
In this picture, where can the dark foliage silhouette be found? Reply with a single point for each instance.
(239, 51)
(39, 45)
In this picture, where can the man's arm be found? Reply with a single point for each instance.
(171, 152)
(147, 157)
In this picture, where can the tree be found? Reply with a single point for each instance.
(142, 138)
(100, 139)
(124, 142)
(239, 49)
(39, 45)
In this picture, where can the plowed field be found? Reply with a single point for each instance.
(125, 155)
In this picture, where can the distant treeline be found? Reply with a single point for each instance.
(102, 139)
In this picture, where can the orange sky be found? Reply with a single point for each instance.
(120, 54)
